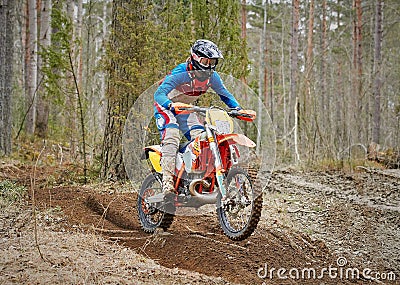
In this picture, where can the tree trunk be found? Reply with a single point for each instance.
(117, 108)
(293, 98)
(32, 69)
(42, 111)
(71, 99)
(357, 101)
(113, 163)
(262, 76)
(283, 82)
(325, 99)
(6, 71)
(80, 47)
(377, 72)
(244, 37)
(271, 91)
(244, 19)
(360, 96)
(323, 61)
(308, 99)
(309, 62)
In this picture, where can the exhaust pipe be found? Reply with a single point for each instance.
(202, 198)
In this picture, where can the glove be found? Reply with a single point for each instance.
(249, 115)
(176, 107)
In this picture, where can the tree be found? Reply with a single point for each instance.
(130, 66)
(358, 68)
(323, 72)
(307, 103)
(222, 26)
(61, 70)
(294, 99)
(71, 53)
(94, 36)
(31, 71)
(42, 110)
(146, 42)
(6, 72)
(338, 59)
(309, 62)
(377, 72)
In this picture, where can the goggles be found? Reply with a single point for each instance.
(204, 61)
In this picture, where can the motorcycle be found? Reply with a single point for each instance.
(207, 171)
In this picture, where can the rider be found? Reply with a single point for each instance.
(182, 86)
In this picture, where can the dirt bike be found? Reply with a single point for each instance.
(207, 172)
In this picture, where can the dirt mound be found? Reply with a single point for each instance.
(192, 243)
(119, 210)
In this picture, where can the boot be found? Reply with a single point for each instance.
(168, 190)
(169, 149)
(168, 171)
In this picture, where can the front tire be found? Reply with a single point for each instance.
(152, 216)
(240, 213)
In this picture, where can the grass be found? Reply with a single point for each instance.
(11, 192)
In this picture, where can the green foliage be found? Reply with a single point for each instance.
(130, 53)
(56, 56)
(148, 40)
(218, 21)
(174, 33)
(10, 192)
(57, 70)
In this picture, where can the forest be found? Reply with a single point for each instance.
(77, 83)
(326, 71)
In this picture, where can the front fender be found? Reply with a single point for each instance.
(237, 138)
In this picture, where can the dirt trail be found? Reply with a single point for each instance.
(356, 215)
(309, 220)
(192, 243)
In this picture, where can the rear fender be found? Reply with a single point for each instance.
(153, 154)
(151, 148)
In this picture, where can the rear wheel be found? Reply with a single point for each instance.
(240, 212)
(152, 216)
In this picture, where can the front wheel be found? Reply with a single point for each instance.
(240, 212)
(152, 216)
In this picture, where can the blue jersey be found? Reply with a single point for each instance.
(180, 80)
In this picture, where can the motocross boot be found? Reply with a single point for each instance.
(168, 190)
(169, 148)
(168, 169)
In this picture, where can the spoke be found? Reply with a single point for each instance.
(153, 215)
(238, 212)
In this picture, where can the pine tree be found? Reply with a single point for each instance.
(147, 42)
(6, 74)
(132, 62)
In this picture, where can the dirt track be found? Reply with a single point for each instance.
(309, 221)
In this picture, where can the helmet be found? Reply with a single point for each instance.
(205, 55)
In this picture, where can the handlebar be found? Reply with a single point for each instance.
(235, 113)
(203, 110)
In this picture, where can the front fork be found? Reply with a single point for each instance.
(217, 161)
